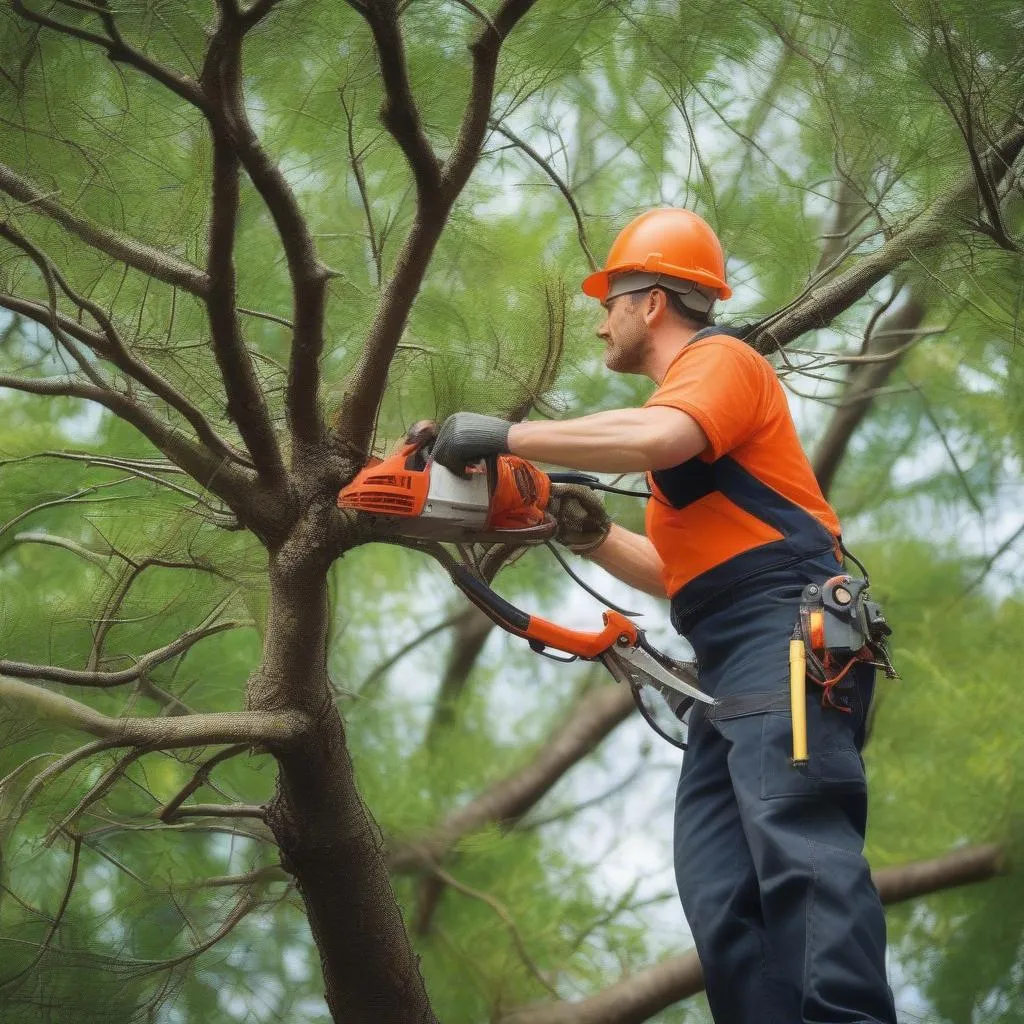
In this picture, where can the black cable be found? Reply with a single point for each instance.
(856, 561)
(586, 480)
(586, 586)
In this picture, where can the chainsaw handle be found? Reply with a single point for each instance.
(540, 632)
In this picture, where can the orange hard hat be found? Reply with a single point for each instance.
(668, 241)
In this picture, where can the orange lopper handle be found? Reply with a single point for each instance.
(540, 632)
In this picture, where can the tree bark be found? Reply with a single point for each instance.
(329, 841)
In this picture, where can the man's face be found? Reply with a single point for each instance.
(625, 333)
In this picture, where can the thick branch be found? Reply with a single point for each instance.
(247, 407)
(399, 113)
(219, 811)
(589, 721)
(644, 994)
(235, 139)
(145, 258)
(365, 389)
(821, 304)
(484, 49)
(278, 729)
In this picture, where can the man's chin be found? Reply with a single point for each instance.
(617, 364)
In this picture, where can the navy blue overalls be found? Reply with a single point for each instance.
(768, 857)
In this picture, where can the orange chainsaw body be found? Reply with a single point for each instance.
(511, 494)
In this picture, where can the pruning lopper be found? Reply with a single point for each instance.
(410, 497)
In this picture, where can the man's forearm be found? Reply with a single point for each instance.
(631, 558)
(616, 441)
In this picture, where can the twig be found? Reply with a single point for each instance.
(200, 778)
(581, 232)
(99, 679)
(505, 916)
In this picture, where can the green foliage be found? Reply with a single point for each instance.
(755, 116)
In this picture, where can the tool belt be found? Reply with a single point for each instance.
(840, 627)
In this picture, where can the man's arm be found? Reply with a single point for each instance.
(618, 441)
(631, 558)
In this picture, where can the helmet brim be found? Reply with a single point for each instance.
(596, 285)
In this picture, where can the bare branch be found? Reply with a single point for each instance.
(642, 995)
(502, 911)
(103, 680)
(145, 258)
(1007, 545)
(863, 383)
(120, 51)
(220, 811)
(385, 666)
(199, 779)
(107, 617)
(75, 497)
(111, 346)
(51, 277)
(96, 792)
(229, 482)
(55, 540)
(279, 729)
(357, 168)
(822, 304)
(76, 850)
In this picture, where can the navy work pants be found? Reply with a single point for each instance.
(787, 921)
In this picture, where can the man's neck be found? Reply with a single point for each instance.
(666, 351)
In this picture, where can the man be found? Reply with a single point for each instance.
(768, 856)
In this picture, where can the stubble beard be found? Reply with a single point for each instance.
(629, 350)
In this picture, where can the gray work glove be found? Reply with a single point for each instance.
(467, 437)
(583, 524)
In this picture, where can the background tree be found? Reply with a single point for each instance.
(242, 247)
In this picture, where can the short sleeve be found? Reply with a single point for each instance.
(722, 387)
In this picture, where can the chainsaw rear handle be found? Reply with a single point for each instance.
(540, 631)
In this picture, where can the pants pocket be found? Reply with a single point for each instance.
(834, 763)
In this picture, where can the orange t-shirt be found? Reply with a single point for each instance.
(733, 393)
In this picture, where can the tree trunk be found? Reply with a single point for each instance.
(329, 842)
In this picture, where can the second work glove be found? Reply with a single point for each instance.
(467, 437)
(583, 524)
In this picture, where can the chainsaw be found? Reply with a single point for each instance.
(503, 500)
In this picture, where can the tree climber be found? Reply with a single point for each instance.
(768, 856)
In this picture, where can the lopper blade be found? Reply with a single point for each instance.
(638, 664)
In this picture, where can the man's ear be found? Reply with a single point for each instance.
(655, 307)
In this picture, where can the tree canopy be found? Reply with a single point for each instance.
(255, 767)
